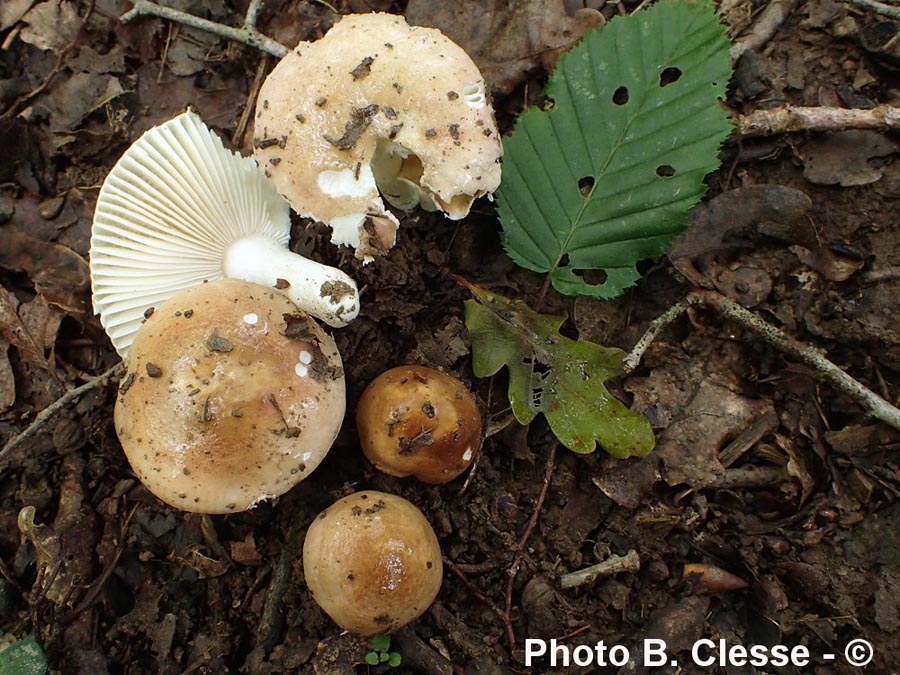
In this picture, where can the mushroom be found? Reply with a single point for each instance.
(372, 562)
(178, 209)
(232, 396)
(377, 104)
(418, 421)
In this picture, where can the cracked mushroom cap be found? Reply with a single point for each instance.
(377, 103)
(372, 562)
(232, 396)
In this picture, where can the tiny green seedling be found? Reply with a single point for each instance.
(381, 645)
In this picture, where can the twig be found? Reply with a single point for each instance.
(614, 564)
(246, 34)
(887, 10)
(769, 21)
(490, 604)
(57, 405)
(237, 139)
(520, 548)
(795, 118)
(871, 402)
(100, 582)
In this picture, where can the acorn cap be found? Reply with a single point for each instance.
(377, 103)
(179, 209)
(232, 395)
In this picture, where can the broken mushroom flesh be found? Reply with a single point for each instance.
(418, 421)
(372, 562)
(232, 395)
(374, 105)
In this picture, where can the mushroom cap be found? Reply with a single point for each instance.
(374, 83)
(169, 213)
(418, 421)
(232, 396)
(372, 562)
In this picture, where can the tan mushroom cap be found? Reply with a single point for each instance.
(417, 421)
(372, 562)
(373, 85)
(232, 395)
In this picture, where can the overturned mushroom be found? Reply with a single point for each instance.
(178, 209)
(374, 105)
(232, 396)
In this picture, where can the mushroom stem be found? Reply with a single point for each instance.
(324, 292)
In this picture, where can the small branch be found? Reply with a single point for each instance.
(871, 402)
(614, 564)
(100, 582)
(881, 8)
(520, 548)
(656, 327)
(56, 406)
(246, 34)
(769, 21)
(790, 119)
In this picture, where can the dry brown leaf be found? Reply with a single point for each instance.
(733, 219)
(714, 578)
(58, 273)
(41, 321)
(245, 552)
(689, 447)
(507, 40)
(13, 10)
(51, 25)
(843, 158)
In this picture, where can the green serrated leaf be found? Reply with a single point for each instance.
(24, 657)
(381, 643)
(395, 660)
(554, 375)
(607, 176)
(372, 658)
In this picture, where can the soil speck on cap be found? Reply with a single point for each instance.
(363, 69)
(218, 344)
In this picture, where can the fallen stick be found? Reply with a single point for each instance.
(871, 402)
(796, 118)
(769, 21)
(881, 8)
(246, 34)
(614, 564)
(42, 417)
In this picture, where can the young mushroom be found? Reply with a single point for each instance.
(178, 209)
(374, 105)
(232, 396)
(372, 562)
(418, 421)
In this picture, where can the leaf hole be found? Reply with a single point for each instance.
(669, 75)
(665, 171)
(620, 96)
(591, 277)
(586, 185)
